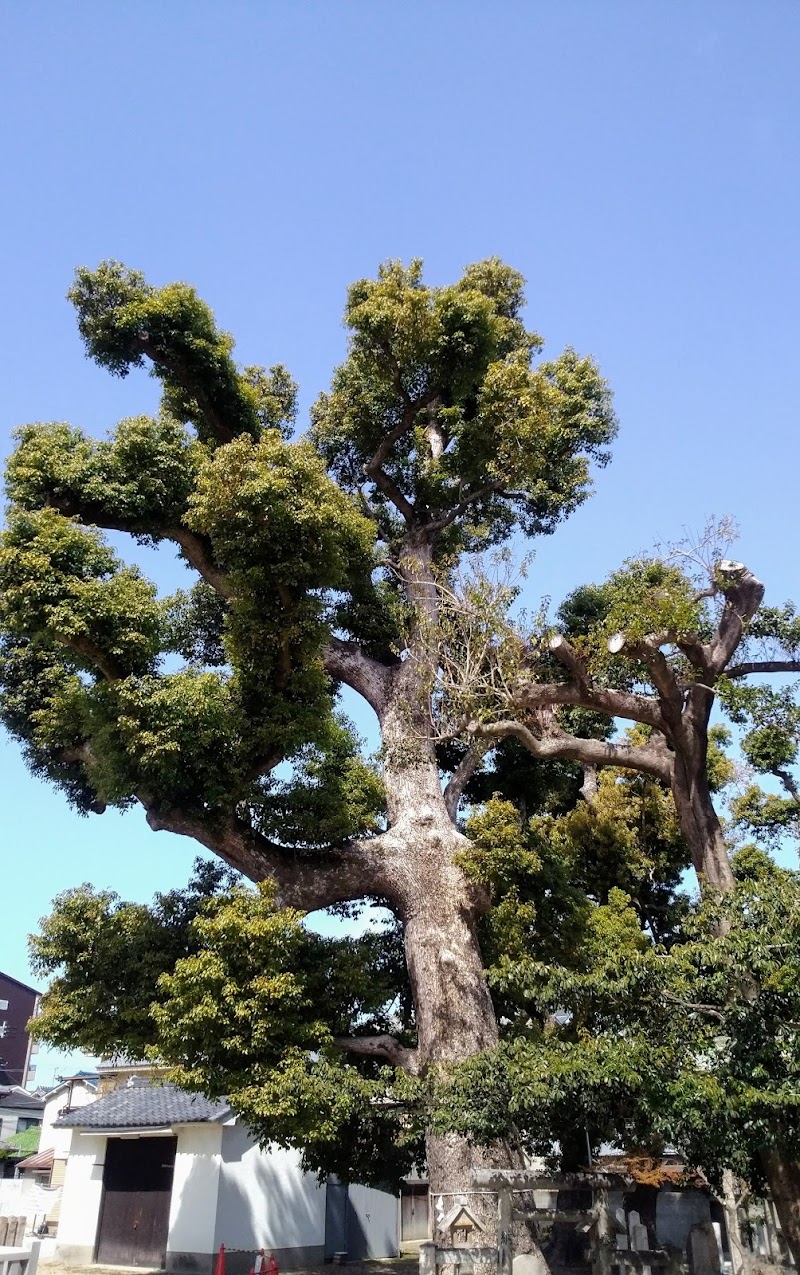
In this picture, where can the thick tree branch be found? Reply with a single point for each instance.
(89, 651)
(743, 596)
(566, 654)
(648, 652)
(406, 422)
(191, 384)
(438, 524)
(763, 666)
(374, 467)
(197, 550)
(459, 779)
(588, 788)
(787, 779)
(392, 492)
(381, 1047)
(554, 742)
(612, 703)
(306, 880)
(346, 662)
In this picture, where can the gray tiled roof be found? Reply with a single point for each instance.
(144, 1107)
(20, 1099)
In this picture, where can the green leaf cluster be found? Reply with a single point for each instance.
(455, 362)
(123, 319)
(236, 997)
(695, 1044)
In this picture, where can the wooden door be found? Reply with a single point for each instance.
(134, 1217)
(414, 1211)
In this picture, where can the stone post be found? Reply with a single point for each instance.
(427, 1258)
(603, 1238)
(504, 1250)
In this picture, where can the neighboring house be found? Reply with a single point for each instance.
(18, 1004)
(46, 1163)
(70, 1095)
(159, 1177)
(19, 1110)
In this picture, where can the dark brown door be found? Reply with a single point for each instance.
(137, 1185)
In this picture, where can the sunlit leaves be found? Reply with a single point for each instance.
(63, 582)
(123, 319)
(104, 958)
(333, 794)
(140, 478)
(237, 998)
(444, 375)
(697, 1046)
(276, 519)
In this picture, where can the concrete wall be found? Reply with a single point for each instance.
(80, 1201)
(24, 1197)
(266, 1201)
(193, 1207)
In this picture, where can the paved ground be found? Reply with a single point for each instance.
(406, 1265)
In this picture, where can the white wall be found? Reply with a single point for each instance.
(24, 1197)
(59, 1139)
(265, 1199)
(82, 1191)
(193, 1207)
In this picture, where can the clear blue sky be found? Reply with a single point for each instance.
(637, 161)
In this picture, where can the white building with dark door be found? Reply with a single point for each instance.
(159, 1177)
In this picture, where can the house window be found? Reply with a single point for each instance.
(24, 1122)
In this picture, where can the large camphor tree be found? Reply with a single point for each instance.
(317, 562)
(337, 559)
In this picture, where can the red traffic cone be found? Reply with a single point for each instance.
(272, 1269)
(219, 1265)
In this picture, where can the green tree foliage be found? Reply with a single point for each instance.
(238, 998)
(511, 443)
(505, 806)
(694, 1045)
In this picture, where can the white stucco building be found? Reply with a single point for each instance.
(156, 1176)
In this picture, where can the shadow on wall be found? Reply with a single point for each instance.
(266, 1201)
(262, 1199)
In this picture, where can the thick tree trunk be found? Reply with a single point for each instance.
(700, 826)
(439, 908)
(741, 1257)
(783, 1177)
